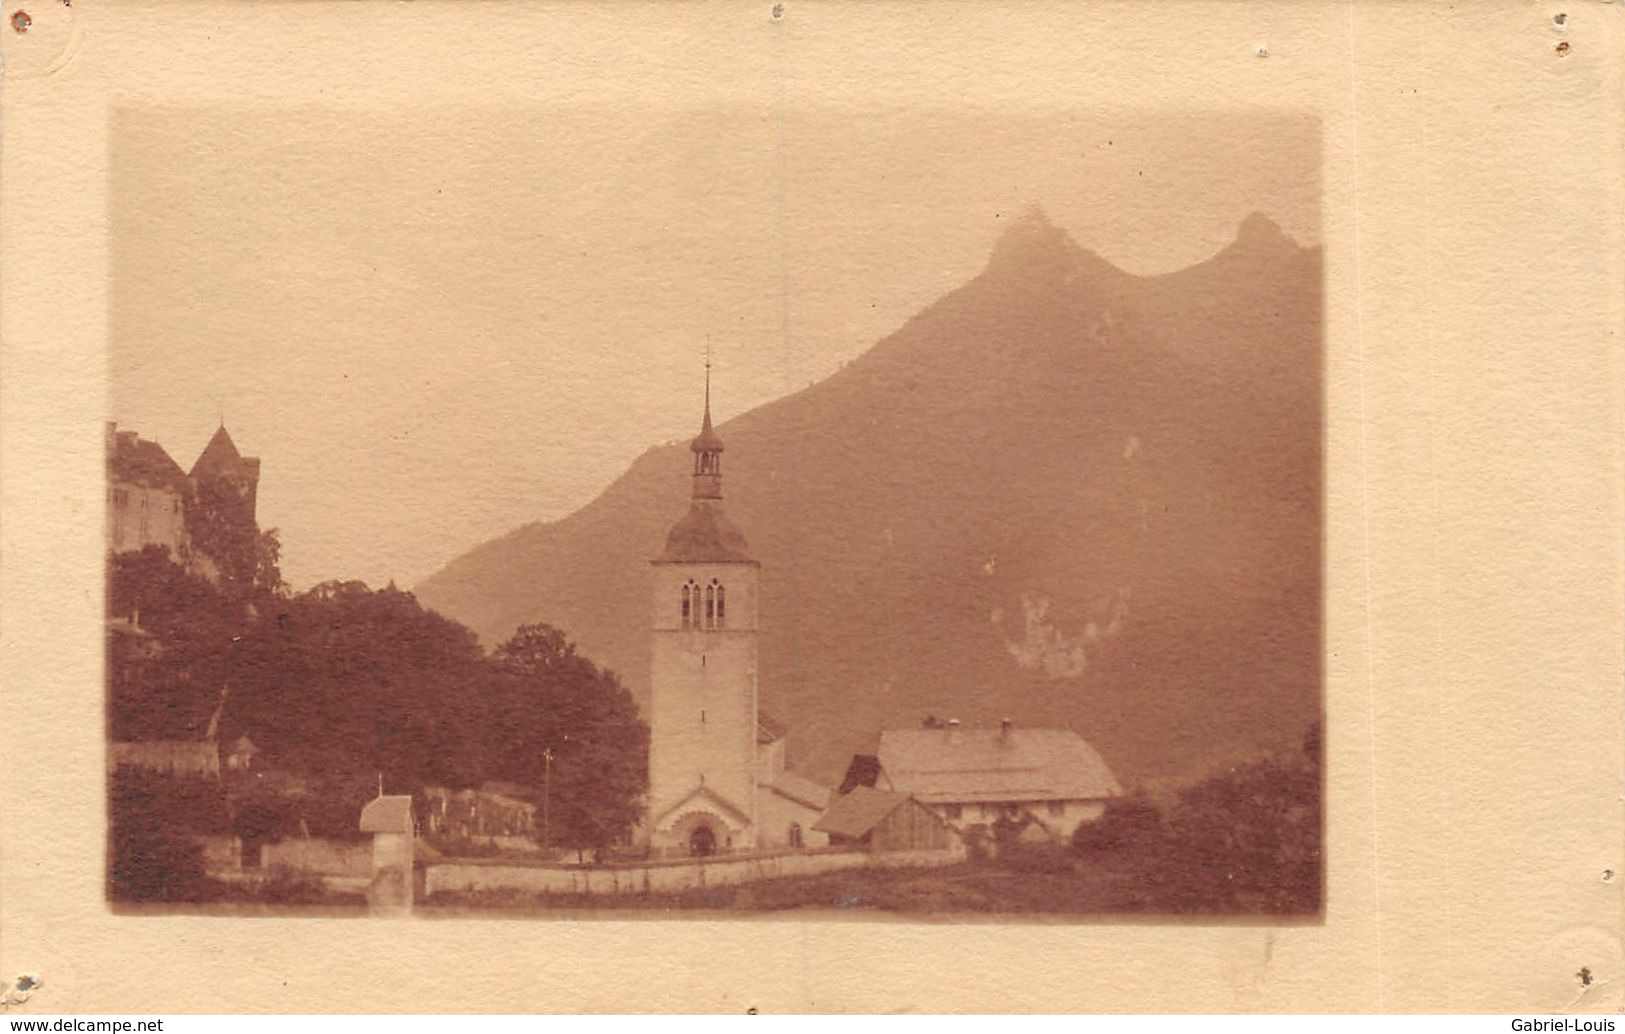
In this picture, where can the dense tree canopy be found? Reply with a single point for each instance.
(549, 698)
(343, 685)
(148, 861)
(165, 683)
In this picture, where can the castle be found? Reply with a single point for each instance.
(148, 495)
(717, 775)
(147, 504)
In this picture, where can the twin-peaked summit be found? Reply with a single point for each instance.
(957, 520)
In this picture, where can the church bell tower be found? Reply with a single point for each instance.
(702, 704)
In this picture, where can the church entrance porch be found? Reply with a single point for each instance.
(699, 832)
(675, 831)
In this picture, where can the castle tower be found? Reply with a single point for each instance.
(229, 476)
(702, 705)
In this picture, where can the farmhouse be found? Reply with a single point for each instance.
(1046, 778)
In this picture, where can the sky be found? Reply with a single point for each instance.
(433, 326)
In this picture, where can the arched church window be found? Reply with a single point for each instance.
(795, 834)
(711, 606)
(722, 606)
(688, 613)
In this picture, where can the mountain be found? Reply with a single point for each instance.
(1061, 494)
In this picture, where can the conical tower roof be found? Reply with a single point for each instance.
(220, 456)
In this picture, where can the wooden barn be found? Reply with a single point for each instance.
(879, 820)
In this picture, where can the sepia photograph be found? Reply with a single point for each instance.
(715, 511)
(810, 508)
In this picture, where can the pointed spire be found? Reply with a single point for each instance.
(707, 440)
(707, 448)
(705, 533)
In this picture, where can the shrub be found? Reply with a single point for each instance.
(1248, 840)
(151, 864)
(1127, 821)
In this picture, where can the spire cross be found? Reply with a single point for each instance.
(708, 377)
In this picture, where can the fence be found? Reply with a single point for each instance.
(665, 877)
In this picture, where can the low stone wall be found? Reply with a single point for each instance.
(665, 877)
(255, 879)
(317, 856)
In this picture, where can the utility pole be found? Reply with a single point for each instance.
(547, 797)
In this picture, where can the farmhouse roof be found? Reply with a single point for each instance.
(856, 813)
(1010, 764)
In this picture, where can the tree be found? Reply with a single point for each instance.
(1248, 840)
(268, 563)
(346, 680)
(166, 682)
(223, 537)
(153, 824)
(549, 697)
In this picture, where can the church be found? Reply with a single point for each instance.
(718, 780)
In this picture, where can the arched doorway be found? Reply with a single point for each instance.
(702, 843)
